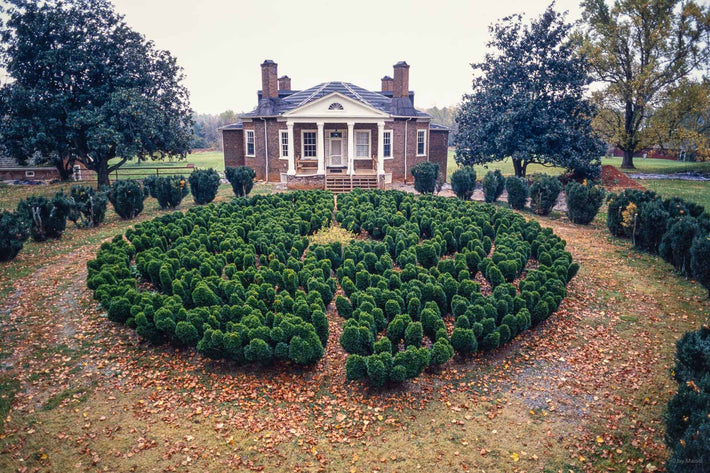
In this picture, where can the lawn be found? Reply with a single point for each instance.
(584, 391)
(659, 166)
(694, 191)
(506, 167)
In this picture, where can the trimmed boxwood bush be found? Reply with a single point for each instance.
(463, 182)
(518, 192)
(241, 281)
(676, 243)
(583, 201)
(543, 193)
(700, 260)
(88, 206)
(150, 185)
(170, 190)
(241, 178)
(493, 184)
(47, 217)
(14, 231)
(127, 198)
(425, 175)
(204, 184)
(687, 422)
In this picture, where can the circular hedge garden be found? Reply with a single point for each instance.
(240, 281)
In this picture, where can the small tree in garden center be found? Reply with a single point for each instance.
(127, 198)
(14, 231)
(463, 182)
(425, 176)
(204, 184)
(528, 101)
(241, 178)
(85, 87)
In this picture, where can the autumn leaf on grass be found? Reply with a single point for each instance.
(515, 456)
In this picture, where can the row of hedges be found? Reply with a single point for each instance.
(675, 229)
(230, 280)
(688, 414)
(420, 268)
(583, 200)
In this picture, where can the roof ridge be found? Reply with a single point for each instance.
(308, 99)
(358, 96)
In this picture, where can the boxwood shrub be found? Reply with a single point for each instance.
(47, 217)
(14, 231)
(425, 176)
(518, 192)
(463, 182)
(583, 201)
(236, 281)
(395, 319)
(88, 207)
(241, 178)
(170, 190)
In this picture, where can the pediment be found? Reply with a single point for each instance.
(336, 105)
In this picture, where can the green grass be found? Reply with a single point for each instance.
(659, 166)
(694, 191)
(201, 160)
(505, 166)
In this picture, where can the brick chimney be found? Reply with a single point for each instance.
(401, 80)
(387, 84)
(284, 83)
(269, 82)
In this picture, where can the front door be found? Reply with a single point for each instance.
(336, 151)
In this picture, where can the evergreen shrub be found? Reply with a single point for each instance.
(204, 184)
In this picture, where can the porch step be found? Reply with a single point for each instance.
(338, 184)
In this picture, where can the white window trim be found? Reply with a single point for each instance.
(421, 130)
(281, 147)
(303, 145)
(391, 133)
(369, 144)
(246, 143)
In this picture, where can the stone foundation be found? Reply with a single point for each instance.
(315, 181)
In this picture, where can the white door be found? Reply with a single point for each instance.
(336, 152)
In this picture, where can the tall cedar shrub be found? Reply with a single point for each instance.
(48, 218)
(14, 231)
(493, 184)
(241, 178)
(518, 192)
(650, 226)
(583, 201)
(425, 176)
(126, 197)
(621, 212)
(204, 184)
(170, 190)
(676, 243)
(88, 206)
(700, 260)
(463, 182)
(150, 185)
(543, 194)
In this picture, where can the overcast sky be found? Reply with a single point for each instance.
(221, 43)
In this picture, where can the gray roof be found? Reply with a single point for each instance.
(232, 126)
(400, 106)
(438, 126)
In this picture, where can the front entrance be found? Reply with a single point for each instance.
(336, 149)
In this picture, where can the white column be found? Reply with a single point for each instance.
(351, 147)
(380, 148)
(291, 151)
(320, 148)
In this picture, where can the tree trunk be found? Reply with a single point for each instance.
(65, 168)
(627, 162)
(102, 174)
(519, 167)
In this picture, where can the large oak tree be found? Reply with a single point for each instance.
(528, 101)
(85, 87)
(640, 49)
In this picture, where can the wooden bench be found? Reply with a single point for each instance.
(306, 164)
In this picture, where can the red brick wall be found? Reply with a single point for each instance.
(439, 149)
(257, 162)
(396, 166)
(233, 144)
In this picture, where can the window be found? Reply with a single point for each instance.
(335, 106)
(284, 143)
(362, 144)
(387, 144)
(421, 142)
(250, 142)
(309, 144)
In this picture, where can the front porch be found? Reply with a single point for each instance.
(335, 179)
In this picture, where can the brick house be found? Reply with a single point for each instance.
(334, 135)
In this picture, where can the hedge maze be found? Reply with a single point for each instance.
(432, 277)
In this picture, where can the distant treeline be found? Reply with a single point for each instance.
(445, 116)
